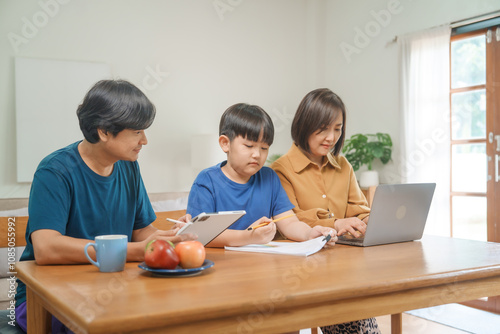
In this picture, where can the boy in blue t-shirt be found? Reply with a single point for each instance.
(243, 183)
(93, 187)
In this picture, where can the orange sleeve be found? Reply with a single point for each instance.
(312, 217)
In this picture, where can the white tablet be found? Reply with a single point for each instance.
(207, 226)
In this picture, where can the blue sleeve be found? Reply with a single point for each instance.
(280, 202)
(145, 214)
(201, 197)
(50, 202)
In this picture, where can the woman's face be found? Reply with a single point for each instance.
(322, 141)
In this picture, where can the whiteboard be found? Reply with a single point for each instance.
(48, 93)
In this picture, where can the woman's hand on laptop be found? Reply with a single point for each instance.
(353, 225)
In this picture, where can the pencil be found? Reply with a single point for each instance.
(267, 223)
(175, 221)
(251, 228)
(281, 218)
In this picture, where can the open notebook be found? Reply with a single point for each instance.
(304, 248)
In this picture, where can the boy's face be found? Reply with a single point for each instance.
(244, 157)
(126, 145)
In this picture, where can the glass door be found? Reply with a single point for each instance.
(475, 140)
(468, 137)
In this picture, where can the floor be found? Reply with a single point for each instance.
(411, 325)
(416, 325)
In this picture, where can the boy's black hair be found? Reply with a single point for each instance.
(249, 121)
(113, 106)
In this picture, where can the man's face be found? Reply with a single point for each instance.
(126, 145)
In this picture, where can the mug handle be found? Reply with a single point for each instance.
(87, 254)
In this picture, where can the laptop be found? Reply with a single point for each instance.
(398, 214)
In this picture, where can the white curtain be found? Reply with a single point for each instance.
(425, 121)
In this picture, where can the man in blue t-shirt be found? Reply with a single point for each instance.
(242, 183)
(93, 187)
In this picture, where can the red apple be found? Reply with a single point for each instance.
(160, 254)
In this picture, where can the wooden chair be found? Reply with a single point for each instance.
(370, 192)
(18, 225)
(12, 232)
(11, 225)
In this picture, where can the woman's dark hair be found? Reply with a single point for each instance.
(316, 112)
(113, 106)
(248, 121)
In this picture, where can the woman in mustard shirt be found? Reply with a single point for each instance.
(320, 182)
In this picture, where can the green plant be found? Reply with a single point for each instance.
(363, 149)
(272, 158)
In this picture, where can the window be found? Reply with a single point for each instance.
(475, 137)
(468, 136)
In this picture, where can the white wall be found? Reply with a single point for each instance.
(367, 77)
(266, 52)
(205, 60)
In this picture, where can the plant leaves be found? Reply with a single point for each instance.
(363, 149)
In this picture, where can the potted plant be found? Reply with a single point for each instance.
(363, 150)
(272, 158)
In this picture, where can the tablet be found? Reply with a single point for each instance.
(207, 226)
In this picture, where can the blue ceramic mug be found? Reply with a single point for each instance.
(111, 252)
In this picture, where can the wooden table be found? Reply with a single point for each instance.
(250, 292)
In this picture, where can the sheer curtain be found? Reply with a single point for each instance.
(425, 121)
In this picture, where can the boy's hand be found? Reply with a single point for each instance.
(319, 230)
(263, 234)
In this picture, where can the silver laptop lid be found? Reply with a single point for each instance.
(399, 213)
